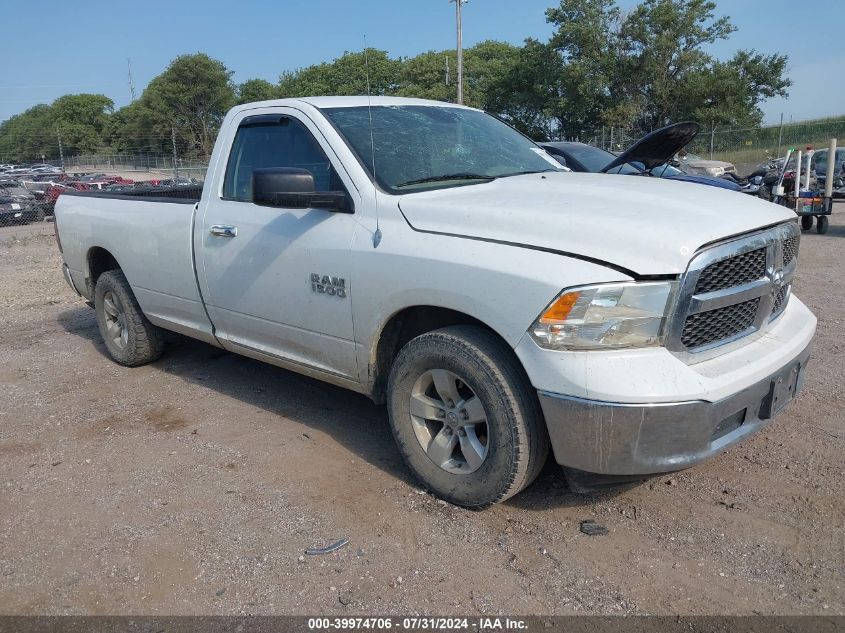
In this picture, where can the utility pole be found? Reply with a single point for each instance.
(458, 5)
(447, 70)
(780, 134)
(131, 85)
(175, 168)
(61, 151)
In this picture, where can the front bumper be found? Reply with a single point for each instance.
(640, 439)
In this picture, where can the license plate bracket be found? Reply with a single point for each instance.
(782, 390)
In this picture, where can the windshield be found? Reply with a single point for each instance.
(428, 147)
(595, 159)
(665, 170)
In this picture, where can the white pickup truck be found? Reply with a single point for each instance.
(433, 258)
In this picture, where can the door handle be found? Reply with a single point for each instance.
(224, 230)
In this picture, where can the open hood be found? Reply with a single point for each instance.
(657, 147)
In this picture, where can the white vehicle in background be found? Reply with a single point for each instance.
(695, 165)
(431, 257)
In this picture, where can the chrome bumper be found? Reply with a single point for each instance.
(641, 439)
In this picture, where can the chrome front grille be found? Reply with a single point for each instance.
(731, 272)
(780, 300)
(733, 290)
(716, 325)
(790, 249)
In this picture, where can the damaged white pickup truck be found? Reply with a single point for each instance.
(431, 257)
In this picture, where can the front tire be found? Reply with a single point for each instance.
(822, 224)
(130, 338)
(806, 222)
(465, 417)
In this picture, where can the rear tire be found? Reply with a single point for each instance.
(478, 463)
(821, 224)
(130, 338)
(806, 222)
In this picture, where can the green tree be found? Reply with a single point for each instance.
(663, 41)
(641, 69)
(257, 90)
(529, 94)
(587, 38)
(82, 120)
(29, 135)
(192, 96)
(425, 76)
(728, 94)
(346, 75)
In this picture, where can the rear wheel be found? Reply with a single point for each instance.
(822, 224)
(129, 336)
(465, 416)
(807, 222)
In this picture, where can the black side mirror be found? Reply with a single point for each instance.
(293, 188)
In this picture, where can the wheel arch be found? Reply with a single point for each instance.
(97, 261)
(404, 325)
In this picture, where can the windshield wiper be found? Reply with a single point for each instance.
(460, 176)
(530, 171)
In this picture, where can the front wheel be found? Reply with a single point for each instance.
(129, 336)
(806, 222)
(465, 416)
(822, 224)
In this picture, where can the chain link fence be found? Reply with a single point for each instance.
(140, 163)
(29, 195)
(746, 148)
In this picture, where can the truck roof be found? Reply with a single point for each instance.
(349, 102)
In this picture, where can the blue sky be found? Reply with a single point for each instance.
(86, 50)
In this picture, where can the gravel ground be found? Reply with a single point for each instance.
(194, 485)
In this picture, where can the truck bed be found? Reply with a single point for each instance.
(181, 194)
(149, 231)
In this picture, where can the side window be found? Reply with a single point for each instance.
(281, 143)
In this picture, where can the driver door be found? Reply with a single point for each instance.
(258, 262)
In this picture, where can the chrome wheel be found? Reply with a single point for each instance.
(449, 421)
(115, 319)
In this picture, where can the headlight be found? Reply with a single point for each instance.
(605, 316)
(715, 171)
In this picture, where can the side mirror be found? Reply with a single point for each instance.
(293, 188)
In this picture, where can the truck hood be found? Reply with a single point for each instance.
(642, 226)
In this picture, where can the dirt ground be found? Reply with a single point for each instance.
(194, 485)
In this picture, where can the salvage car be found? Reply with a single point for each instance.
(11, 210)
(696, 165)
(648, 156)
(435, 259)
